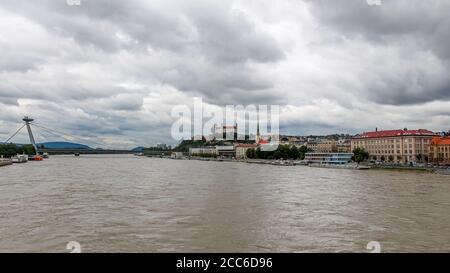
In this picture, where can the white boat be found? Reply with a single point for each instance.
(443, 171)
(301, 162)
(19, 158)
(282, 163)
(348, 166)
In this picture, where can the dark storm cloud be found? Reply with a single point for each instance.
(223, 38)
(417, 27)
(391, 19)
(235, 84)
(208, 28)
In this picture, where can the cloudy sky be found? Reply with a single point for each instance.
(110, 71)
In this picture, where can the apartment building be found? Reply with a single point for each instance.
(396, 146)
(322, 146)
(440, 150)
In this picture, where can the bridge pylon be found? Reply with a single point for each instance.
(27, 121)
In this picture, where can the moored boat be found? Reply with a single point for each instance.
(443, 171)
(19, 158)
(36, 158)
(282, 163)
(349, 166)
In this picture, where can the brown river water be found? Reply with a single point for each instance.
(123, 203)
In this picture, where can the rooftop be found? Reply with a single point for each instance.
(247, 145)
(396, 133)
(440, 141)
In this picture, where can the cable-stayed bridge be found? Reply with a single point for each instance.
(29, 123)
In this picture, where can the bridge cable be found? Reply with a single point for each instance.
(51, 133)
(61, 134)
(15, 133)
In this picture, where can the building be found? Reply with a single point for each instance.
(440, 150)
(203, 151)
(312, 146)
(225, 151)
(176, 155)
(328, 158)
(344, 146)
(322, 146)
(396, 146)
(327, 146)
(292, 140)
(241, 150)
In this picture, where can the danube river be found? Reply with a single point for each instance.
(135, 204)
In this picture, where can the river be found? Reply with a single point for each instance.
(123, 203)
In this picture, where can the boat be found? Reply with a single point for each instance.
(36, 158)
(348, 166)
(282, 163)
(77, 154)
(443, 171)
(20, 158)
(301, 162)
(44, 155)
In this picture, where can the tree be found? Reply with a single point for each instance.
(303, 150)
(419, 157)
(250, 153)
(284, 152)
(277, 154)
(259, 153)
(360, 155)
(8, 150)
(294, 153)
(28, 149)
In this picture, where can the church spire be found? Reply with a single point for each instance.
(258, 136)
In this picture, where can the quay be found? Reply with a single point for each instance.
(4, 162)
(349, 166)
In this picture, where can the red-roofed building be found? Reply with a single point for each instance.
(440, 150)
(396, 146)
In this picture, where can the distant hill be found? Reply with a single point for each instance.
(138, 149)
(63, 145)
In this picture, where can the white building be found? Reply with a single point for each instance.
(203, 151)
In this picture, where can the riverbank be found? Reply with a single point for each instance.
(5, 163)
(404, 168)
(439, 170)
